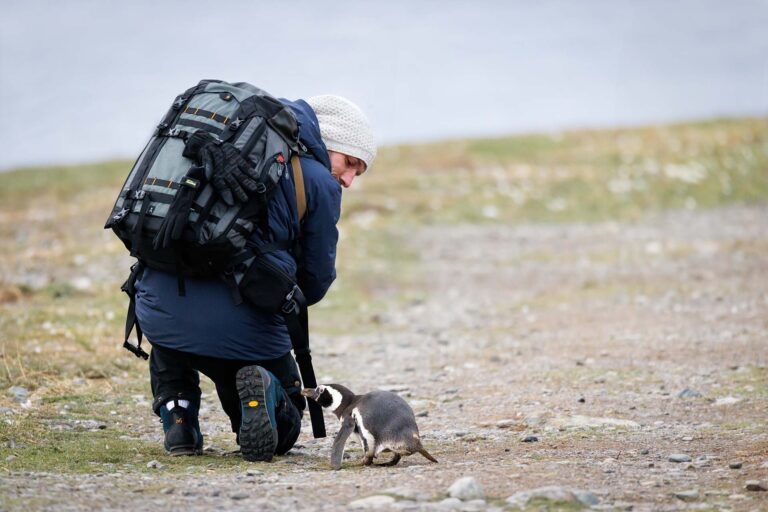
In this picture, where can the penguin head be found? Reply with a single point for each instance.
(332, 396)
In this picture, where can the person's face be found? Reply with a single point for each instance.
(345, 168)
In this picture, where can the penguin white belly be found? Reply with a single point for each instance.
(366, 438)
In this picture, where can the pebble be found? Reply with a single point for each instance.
(19, 393)
(505, 423)
(578, 421)
(688, 393)
(688, 495)
(466, 488)
(581, 400)
(253, 472)
(10, 458)
(239, 496)
(407, 493)
(529, 439)
(156, 464)
(553, 493)
(451, 503)
(755, 485)
(727, 400)
(735, 464)
(375, 501)
(645, 451)
(679, 457)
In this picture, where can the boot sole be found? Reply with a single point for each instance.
(179, 451)
(258, 439)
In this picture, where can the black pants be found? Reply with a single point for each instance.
(174, 374)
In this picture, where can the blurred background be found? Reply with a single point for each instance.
(86, 80)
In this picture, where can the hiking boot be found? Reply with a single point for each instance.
(259, 395)
(182, 431)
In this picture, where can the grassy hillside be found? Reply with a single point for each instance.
(61, 311)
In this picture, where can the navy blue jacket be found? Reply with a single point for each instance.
(206, 321)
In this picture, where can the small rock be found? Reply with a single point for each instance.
(451, 503)
(375, 501)
(688, 495)
(407, 493)
(586, 497)
(167, 490)
(578, 421)
(253, 472)
(19, 393)
(156, 464)
(422, 414)
(553, 493)
(679, 457)
(505, 423)
(687, 438)
(530, 439)
(239, 496)
(581, 400)
(466, 488)
(688, 393)
(727, 400)
(735, 464)
(755, 485)
(10, 458)
(645, 451)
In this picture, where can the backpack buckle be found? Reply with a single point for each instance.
(139, 195)
(234, 125)
(178, 103)
(120, 215)
(290, 306)
(261, 188)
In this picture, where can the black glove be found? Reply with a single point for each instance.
(229, 173)
(195, 143)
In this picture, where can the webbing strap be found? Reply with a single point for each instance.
(298, 328)
(129, 287)
(298, 180)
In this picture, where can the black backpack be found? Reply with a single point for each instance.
(166, 188)
(171, 218)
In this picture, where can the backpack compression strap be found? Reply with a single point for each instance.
(298, 180)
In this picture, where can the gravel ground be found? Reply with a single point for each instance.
(626, 360)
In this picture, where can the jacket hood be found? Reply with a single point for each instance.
(309, 130)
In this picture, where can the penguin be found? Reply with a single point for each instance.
(382, 420)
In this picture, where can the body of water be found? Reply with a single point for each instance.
(87, 80)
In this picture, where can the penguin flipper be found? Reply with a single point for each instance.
(337, 452)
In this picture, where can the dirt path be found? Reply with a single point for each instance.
(582, 336)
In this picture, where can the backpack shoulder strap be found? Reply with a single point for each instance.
(298, 180)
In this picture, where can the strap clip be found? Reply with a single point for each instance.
(234, 125)
(135, 350)
(119, 216)
(290, 306)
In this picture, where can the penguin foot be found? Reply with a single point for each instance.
(391, 462)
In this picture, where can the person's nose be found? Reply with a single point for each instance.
(346, 178)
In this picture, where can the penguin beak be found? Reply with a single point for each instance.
(310, 393)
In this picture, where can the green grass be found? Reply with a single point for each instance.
(52, 331)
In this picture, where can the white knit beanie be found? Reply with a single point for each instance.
(343, 127)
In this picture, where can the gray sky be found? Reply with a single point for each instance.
(87, 80)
